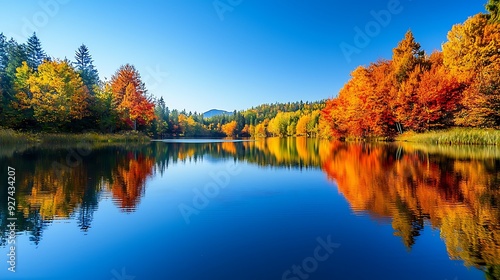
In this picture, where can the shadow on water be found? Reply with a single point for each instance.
(455, 189)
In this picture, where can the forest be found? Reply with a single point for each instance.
(458, 86)
(40, 93)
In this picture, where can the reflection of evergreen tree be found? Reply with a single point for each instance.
(72, 191)
(89, 204)
(85, 216)
(35, 226)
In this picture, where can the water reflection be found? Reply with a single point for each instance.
(453, 189)
(457, 191)
(58, 183)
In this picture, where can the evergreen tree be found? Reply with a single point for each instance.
(493, 7)
(3, 54)
(3, 65)
(35, 53)
(85, 67)
(16, 54)
(406, 56)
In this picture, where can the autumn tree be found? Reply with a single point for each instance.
(21, 104)
(130, 97)
(472, 55)
(278, 125)
(248, 130)
(230, 128)
(353, 112)
(406, 56)
(324, 131)
(57, 94)
(406, 111)
(408, 62)
(261, 129)
(438, 96)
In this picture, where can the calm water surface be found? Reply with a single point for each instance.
(272, 209)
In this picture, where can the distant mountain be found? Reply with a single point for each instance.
(215, 112)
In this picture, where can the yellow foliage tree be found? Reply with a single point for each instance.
(56, 93)
(230, 128)
(302, 125)
(472, 55)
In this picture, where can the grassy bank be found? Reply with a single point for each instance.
(8, 136)
(454, 136)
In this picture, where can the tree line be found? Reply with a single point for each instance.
(42, 93)
(278, 119)
(458, 86)
(414, 91)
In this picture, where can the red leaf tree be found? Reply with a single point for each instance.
(130, 97)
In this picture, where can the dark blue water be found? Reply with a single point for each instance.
(252, 210)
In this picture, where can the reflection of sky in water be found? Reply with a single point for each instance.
(264, 221)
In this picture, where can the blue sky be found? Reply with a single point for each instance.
(232, 54)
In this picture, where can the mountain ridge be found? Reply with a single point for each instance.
(216, 112)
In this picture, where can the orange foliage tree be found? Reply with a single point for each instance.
(457, 87)
(130, 97)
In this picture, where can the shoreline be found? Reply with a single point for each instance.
(10, 136)
(453, 136)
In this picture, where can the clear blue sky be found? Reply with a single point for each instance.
(260, 51)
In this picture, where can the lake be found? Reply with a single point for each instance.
(274, 208)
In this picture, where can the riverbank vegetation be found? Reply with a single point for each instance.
(455, 136)
(414, 91)
(9, 136)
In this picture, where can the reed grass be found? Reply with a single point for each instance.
(9, 136)
(454, 136)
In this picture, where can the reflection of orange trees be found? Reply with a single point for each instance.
(229, 147)
(300, 151)
(129, 180)
(54, 196)
(56, 193)
(290, 152)
(458, 196)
